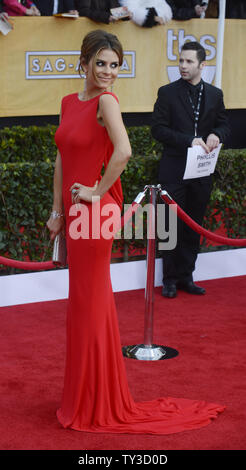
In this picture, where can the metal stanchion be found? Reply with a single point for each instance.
(149, 351)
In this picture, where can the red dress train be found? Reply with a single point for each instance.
(96, 395)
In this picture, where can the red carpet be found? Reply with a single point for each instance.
(209, 333)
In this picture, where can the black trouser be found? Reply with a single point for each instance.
(192, 196)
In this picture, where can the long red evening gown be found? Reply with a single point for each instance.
(96, 395)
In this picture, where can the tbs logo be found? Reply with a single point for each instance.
(174, 44)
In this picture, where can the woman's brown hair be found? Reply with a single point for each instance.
(97, 40)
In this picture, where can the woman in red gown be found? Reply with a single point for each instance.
(91, 134)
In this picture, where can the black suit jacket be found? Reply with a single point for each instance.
(46, 6)
(173, 125)
(235, 9)
(96, 10)
(183, 9)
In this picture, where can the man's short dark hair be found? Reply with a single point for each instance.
(195, 46)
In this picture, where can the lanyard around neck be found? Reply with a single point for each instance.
(196, 109)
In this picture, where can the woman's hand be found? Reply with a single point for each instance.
(4, 15)
(159, 19)
(55, 226)
(33, 11)
(82, 192)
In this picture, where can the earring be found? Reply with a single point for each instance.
(85, 83)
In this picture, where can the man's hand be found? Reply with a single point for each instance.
(73, 12)
(112, 19)
(200, 141)
(212, 142)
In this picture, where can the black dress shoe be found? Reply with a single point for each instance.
(191, 288)
(169, 290)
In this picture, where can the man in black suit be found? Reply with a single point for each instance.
(46, 7)
(235, 9)
(186, 9)
(187, 112)
(97, 10)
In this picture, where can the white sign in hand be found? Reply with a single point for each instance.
(199, 163)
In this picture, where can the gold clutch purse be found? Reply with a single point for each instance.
(59, 256)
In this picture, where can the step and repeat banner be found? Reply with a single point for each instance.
(39, 62)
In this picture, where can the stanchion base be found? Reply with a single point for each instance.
(153, 352)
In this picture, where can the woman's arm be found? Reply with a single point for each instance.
(112, 119)
(57, 185)
(16, 7)
(56, 220)
(110, 113)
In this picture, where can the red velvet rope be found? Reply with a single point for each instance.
(39, 265)
(202, 231)
(27, 265)
(129, 213)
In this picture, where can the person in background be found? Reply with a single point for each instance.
(213, 8)
(15, 8)
(187, 9)
(97, 10)
(51, 7)
(148, 13)
(187, 112)
(236, 9)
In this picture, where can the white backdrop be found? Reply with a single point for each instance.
(52, 285)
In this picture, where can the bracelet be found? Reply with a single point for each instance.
(55, 215)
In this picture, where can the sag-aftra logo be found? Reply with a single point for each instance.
(65, 64)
